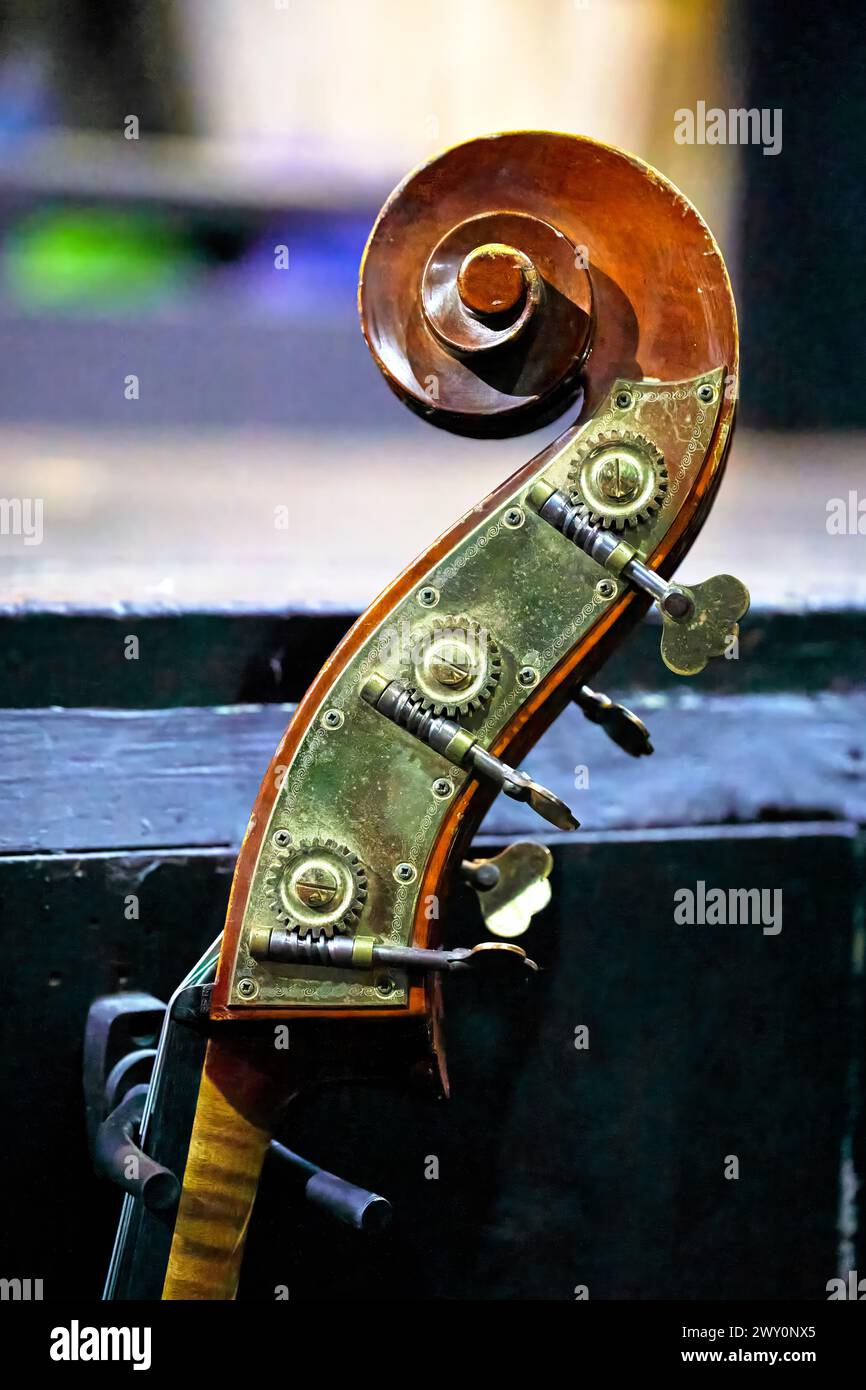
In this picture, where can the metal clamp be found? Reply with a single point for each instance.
(113, 1136)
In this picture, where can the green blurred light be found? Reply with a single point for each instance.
(95, 259)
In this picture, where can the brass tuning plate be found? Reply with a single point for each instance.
(698, 621)
(359, 781)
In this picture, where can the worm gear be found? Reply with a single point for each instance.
(316, 887)
(455, 666)
(618, 479)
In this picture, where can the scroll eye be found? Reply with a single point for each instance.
(497, 320)
(494, 280)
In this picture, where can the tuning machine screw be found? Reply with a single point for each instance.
(455, 667)
(619, 479)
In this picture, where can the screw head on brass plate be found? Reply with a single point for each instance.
(318, 889)
(317, 886)
(449, 663)
(456, 665)
(619, 479)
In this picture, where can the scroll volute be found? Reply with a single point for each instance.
(501, 281)
(511, 272)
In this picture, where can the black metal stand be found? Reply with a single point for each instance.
(116, 1075)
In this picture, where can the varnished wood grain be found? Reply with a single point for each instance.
(662, 302)
(237, 1103)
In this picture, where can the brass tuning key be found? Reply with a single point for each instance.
(703, 620)
(394, 700)
(698, 621)
(512, 886)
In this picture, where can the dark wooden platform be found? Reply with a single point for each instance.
(558, 1167)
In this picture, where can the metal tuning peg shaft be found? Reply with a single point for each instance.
(394, 700)
(698, 621)
(620, 724)
(364, 953)
(512, 886)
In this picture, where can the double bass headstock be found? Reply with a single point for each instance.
(502, 281)
(509, 278)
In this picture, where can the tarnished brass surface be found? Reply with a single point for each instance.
(620, 477)
(368, 784)
(716, 607)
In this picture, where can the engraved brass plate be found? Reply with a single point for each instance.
(368, 784)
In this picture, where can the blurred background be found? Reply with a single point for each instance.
(152, 155)
(164, 386)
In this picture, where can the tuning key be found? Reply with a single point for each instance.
(394, 700)
(519, 786)
(365, 953)
(699, 621)
(512, 886)
(620, 724)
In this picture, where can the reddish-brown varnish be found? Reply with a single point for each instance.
(663, 309)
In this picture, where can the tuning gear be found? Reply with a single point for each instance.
(461, 748)
(316, 887)
(699, 622)
(621, 726)
(618, 479)
(455, 666)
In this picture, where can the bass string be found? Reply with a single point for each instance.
(201, 973)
